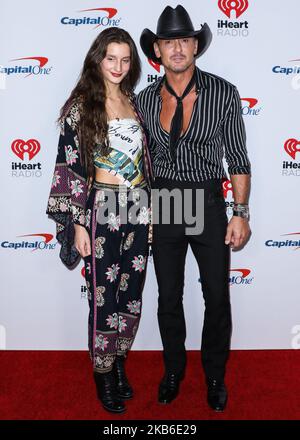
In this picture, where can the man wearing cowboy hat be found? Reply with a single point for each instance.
(193, 118)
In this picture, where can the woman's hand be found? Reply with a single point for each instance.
(82, 241)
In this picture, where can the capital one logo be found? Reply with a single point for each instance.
(291, 147)
(251, 101)
(102, 20)
(46, 238)
(41, 241)
(285, 244)
(21, 147)
(229, 6)
(111, 12)
(32, 69)
(240, 276)
(249, 107)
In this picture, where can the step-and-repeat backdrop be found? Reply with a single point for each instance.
(43, 305)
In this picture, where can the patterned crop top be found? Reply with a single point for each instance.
(125, 152)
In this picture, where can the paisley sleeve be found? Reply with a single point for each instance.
(68, 194)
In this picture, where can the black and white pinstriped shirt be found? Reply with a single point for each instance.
(216, 127)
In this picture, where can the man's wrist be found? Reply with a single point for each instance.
(241, 210)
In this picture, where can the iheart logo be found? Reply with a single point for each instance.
(290, 147)
(227, 6)
(20, 147)
(154, 65)
(227, 186)
(251, 101)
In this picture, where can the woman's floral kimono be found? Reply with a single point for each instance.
(69, 190)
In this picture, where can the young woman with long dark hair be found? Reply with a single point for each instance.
(103, 156)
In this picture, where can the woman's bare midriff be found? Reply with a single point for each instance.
(106, 177)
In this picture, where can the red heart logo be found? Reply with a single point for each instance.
(290, 147)
(239, 6)
(154, 65)
(20, 147)
(227, 186)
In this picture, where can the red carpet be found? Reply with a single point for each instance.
(58, 385)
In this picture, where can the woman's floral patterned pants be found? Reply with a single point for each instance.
(115, 271)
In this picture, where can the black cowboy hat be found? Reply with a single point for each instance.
(174, 23)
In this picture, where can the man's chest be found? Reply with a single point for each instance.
(203, 117)
(168, 108)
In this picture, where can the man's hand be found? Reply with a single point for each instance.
(82, 241)
(238, 231)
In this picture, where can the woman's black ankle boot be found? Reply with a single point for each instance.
(124, 389)
(107, 392)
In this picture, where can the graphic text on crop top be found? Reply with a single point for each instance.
(124, 157)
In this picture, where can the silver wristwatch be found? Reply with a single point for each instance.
(241, 210)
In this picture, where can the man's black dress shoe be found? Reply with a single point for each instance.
(124, 388)
(216, 394)
(169, 387)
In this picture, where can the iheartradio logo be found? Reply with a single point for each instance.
(26, 150)
(291, 146)
(227, 186)
(20, 147)
(233, 9)
(155, 66)
(152, 78)
(228, 196)
(236, 6)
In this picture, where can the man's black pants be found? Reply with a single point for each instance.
(170, 243)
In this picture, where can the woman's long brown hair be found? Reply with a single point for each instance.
(90, 93)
